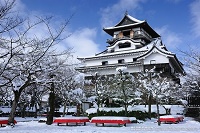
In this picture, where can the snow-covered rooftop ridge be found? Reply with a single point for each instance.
(131, 18)
(124, 25)
(134, 19)
(160, 46)
(156, 42)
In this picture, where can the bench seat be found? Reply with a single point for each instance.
(5, 122)
(67, 120)
(171, 118)
(110, 119)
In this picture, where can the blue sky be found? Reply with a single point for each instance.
(177, 21)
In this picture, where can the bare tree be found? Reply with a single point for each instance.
(191, 59)
(160, 88)
(22, 53)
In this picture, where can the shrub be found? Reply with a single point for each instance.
(137, 114)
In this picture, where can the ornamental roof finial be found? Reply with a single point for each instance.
(126, 13)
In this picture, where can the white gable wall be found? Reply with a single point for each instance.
(159, 59)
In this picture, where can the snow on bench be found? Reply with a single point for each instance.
(110, 119)
(67, 120)
(4, 121)
(171, 118)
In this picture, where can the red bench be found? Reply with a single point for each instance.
(110, 119)
(67, 120)
(5, 122)
(171, 118)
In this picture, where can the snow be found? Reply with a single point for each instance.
(134, 19)
(168, 106)
(150, 126)
(175, 109)
(72, 117)
(5, 109)
(170, 116)
(122, 69)
(109, 118)
(68, 109)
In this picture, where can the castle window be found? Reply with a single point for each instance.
(121, 61)
(126, 33)
(134, 59)
(125, 45)
(112, 50)
(104, 63)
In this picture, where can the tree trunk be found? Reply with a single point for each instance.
(125, 99)
(167, 110)
(125, 108)
(149, 106)
(64, 110)
(23, 111)
(17, 95)
(78, 109)
(158, 112)
(36, 110)
(14, 106)
(51, 105)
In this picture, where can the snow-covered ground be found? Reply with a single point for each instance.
(187, 126)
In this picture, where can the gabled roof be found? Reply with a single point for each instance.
(158, 46)
(129, 22)
(127, 19)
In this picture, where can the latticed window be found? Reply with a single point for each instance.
(104, 62)
(121, 61)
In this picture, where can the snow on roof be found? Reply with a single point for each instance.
(134, 19)
(143, 50)
(131, 18)
(123, 26)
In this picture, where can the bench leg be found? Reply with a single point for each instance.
(84, 123)
(57, 124)
(103, 124)
(96, 124)
(125, 124)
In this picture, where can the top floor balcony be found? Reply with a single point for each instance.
(138, 34)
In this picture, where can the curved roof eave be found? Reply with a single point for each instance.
(154, 47)
(134, 20)
(143, 24)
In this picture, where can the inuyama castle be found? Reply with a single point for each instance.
(136, 46)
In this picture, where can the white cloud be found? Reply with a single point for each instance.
(82, 42)
(170, 39)
(195, 12)
(111, 13)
